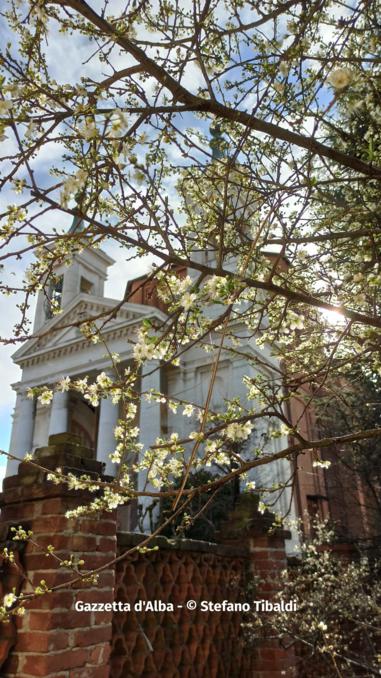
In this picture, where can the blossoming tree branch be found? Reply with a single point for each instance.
(235, 146)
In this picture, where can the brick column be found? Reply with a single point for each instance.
(53, 640)
(268, 558)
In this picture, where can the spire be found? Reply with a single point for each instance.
(217, 142)
(77, 224)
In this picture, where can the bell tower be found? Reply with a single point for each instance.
(86, 274)
(45, 358)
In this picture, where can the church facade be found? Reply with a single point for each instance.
(59, 349)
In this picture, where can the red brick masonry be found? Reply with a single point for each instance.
(55, 641)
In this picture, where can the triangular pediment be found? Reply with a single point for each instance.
(64, 329)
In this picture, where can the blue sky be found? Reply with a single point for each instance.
(5, 431)
(73, 69)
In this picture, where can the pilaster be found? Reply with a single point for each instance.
(108, 419)
(22, 430)
(59, 413)
(150, 427)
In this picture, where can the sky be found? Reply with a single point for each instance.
(73, 69)
(63, 69)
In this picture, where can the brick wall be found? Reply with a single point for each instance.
(53, 640)
(181, 643)
(196, 644)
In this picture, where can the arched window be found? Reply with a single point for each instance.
(54, 298)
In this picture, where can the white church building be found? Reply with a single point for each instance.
(58, 350)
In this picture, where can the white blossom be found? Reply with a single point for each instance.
(92, 395)
(64, 384)
(88, 130)
(296, 321)
(104, 380)
(187, 300)
(143, 351)
(278, 86)
(131, 411)
(72, 184)
(251, 485)
(119, 431)
(5, 106)
(113, 499)
(196, 435)
(115, 457)
(320, 463)
(188, 410)
(46, 397)
(116, 395)
(81, 384)
(262, 507)
(238, 432)
(340, 78)
(9, 599)
(213, 286)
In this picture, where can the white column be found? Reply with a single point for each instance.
(59, 413)
(150, 427)
(22, 431)
(106, 443)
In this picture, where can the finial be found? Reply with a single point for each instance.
(217, 142)
(77, 224)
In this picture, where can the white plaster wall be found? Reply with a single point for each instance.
(41, 425)
(191, 382)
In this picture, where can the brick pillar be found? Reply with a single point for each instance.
(268, 558)
(53, 639)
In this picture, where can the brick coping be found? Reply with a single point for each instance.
(125, 539)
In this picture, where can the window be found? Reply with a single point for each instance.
(86, 286)
(315, 510)
(54, 298)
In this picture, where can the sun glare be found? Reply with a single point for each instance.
(333, 317)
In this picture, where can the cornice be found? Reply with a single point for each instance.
(84, 305)
(78, 345)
